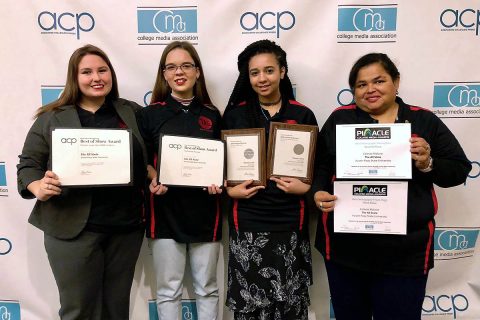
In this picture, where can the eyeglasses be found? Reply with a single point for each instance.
(185, 67)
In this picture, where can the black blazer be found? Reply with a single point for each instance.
(66, 215)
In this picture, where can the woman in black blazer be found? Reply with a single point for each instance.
(92, 235)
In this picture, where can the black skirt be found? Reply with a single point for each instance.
(269, 269)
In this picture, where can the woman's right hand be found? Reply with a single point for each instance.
(324, 201)
(242, 191)
(46, 187)
(157, 189)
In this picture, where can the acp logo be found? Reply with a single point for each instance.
(167, 20)
(444, 304)
(69, 140)
(175, 146)
(189, 310)
(370, 190)
(465, 94)
(267, 22)
(372, 133)
(50, 93)
(454, 240)
(9, 310)
(65, 22)
(367, 18)
(460, 20)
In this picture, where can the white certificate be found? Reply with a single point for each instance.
(83, 157)
(243, 160)
(194, 162)
(373, 151)
(371, 207)
(292, 150)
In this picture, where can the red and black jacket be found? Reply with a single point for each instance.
(410, 254)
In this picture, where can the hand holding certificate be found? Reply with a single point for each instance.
(187, 161)
(374, 151)
(291, 151)
(87, 157)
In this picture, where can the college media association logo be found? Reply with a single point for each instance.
(460, 20)
(456, 99)
(9, 310)
(370, 190)
(455, 243)
(189, 310)
(161, 25)
(367, 23)
(3, 180)
(65, 23)
(373, 133)
(50, 93)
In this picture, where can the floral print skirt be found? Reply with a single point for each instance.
(269, 274)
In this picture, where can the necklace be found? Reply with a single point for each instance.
(269, 104)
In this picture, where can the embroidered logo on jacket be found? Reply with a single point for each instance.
(205, 123)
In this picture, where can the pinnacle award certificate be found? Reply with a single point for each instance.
(92, 157)
(190, 162)
(291, 150)
(245, 153)
(378, 207)
(374, 151)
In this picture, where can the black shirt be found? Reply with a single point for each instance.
(115, 209)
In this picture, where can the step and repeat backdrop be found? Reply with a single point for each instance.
(435, 44)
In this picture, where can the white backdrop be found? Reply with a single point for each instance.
(435, 44)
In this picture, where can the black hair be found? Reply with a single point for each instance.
(369, 59)
(242, 91)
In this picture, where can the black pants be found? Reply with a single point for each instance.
(358, 295)
(94, 273)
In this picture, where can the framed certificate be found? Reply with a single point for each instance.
(373, 151)
(193, 162)
(245, 153)
(291, 150)
(92, 157)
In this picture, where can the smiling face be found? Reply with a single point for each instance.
(94, 80)
(265, 74)
(375, 90)
(180, 79)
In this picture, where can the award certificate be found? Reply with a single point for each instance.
(374, 151)
(245, 152)
(371, 207)
(291, 150)
(92, 157)
(193, 162)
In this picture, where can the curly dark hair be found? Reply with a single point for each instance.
(243, 91)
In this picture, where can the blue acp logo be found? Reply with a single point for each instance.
(189, 310)
(65, 22)
(167, 20)
(50, 93)
(367, 18)
(455, 239)
(466, 94)
(9, 310)
(444, 304)
(460, 20)
(267, 22)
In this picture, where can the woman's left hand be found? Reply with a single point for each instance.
(213, 189)
(291, 185)
(420, 150)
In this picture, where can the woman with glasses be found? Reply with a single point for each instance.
(269, 265)
(183, 221)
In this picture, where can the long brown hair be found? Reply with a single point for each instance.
(162, 90)
(72, 94)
